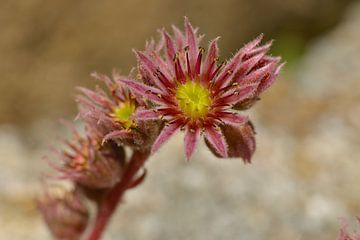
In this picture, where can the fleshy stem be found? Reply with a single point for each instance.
(108, 206)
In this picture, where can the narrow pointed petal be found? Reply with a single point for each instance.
(144, 90)
(251, 45)
(156, 75)
(236, 95)
(165, 134)
(146, 114)
(101, 100)
(191, 42)
(232, 118)
(216, 139)
(179, 38)
(226, 75)
(259, 74)
(268, 82)
(247, 66)
(264, 49)
(211, 57)
(170, 47)
(228, 71)
(191, 140)
(103, 78)
(167, 71)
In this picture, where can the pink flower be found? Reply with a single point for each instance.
(90, 164)
(192, 92)
(109, 114)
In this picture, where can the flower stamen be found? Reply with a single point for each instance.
(193, 99)
(123, 113)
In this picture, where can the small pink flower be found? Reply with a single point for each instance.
(64, 212)
(109, 114)
(192, 92)
(90, 164)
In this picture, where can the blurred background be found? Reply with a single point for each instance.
(305, 173)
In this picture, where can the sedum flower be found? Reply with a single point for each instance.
(192, 92)
(90, 164)
(64, 212)
(110, 116)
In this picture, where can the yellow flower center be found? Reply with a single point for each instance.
(193, 99)
(123, 112)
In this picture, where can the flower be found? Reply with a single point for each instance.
(109, 117)
(196, 94)
(344, 233)
(90, 164)
(64, 212)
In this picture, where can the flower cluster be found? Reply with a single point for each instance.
(193, 92)
(90, 164)
(177, 85)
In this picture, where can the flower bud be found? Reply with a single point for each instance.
(240, 141)
(90, 164)
(64, 212)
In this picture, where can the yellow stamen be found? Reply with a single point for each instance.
(123, 113)
(193, 99)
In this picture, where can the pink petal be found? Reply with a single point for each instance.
(248, 65)
(170, 47)
(232, 67)
(258, 74)
(226, 75)
(268, 82)
(210, 62)
(249, 46)
(95, 97)
(216, 139)
(191, 140)
(179, 38)
(102, 78)
(191, 41)
(232, 118)
(153, 94)
(158, 77)
(263, 49)
(167, 70)
(236, 95)
(146, 114)
(165, 134)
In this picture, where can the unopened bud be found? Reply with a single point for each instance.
(64, 212)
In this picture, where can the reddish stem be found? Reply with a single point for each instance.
(108, 206)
